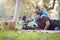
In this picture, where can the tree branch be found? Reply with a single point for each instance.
(50, 8)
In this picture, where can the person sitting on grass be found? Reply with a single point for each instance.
(25, 24)
(45, 23)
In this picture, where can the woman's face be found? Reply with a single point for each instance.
(37, 16)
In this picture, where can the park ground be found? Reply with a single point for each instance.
(26, 35)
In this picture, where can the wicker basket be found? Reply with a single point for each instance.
(9, 25)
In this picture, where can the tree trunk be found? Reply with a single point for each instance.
(17, 11)
(59, 10)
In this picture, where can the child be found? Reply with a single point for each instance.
(25, 24)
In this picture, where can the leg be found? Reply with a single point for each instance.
(28, 28)
(24, 28)
(58, 25)
(57, 28)
(51, 28)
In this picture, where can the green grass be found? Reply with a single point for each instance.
(1, 24)
(24, 35)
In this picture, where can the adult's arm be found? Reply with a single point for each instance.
(47, 25)
(47, 22)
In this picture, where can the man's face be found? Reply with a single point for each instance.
(37, 10)
(37, 16)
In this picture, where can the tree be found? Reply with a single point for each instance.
(16, 14)
(49, 8)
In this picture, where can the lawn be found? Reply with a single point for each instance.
(26, 35)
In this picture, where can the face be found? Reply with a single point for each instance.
(37, 16)
(37, 10)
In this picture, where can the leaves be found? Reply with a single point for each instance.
(46, 1)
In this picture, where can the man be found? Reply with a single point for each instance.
(45, 23)
(40, 12)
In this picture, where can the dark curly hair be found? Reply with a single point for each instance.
(37, 7)
(24, 17)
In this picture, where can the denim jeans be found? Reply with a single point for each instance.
(58, 26)
(28, 28)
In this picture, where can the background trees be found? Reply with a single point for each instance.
(27, 7)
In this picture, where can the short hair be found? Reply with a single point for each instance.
(24, 17)
(37, 7)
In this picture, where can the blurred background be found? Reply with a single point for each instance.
(7, 11)
(7, 8)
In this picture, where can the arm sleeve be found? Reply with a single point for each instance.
(45, 13)
(35, 22)
(45, 18)
(29, 20)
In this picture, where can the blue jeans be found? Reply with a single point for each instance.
(58, 26)
(28, 28)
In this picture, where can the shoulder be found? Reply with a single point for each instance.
(44, 17)
(43, 11)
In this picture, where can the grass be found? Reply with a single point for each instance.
(1, 24)
(24, 35)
